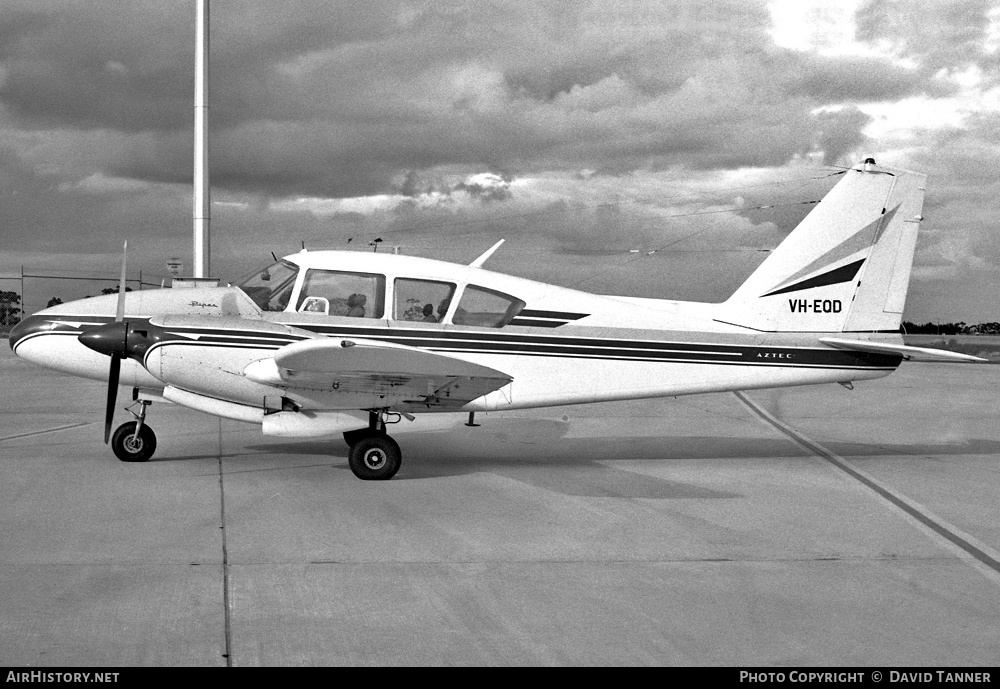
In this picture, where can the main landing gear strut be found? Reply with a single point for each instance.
(134, 441)
(374, 456)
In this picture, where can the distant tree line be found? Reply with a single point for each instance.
(10, 305)
(10, 308)
(960, 328)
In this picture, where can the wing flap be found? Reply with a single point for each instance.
(905, 351)
(396, 374)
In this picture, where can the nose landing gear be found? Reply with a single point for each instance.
(134, 441)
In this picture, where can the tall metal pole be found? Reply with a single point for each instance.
(202, 190)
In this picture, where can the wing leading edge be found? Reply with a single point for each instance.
(398, 375)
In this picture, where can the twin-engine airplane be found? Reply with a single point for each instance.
(330, 342)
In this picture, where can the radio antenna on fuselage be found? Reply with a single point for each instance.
(478, 263)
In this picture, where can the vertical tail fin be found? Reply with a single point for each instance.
(845, 267)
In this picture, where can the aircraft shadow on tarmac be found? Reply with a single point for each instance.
(537, 452)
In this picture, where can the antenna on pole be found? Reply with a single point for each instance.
(202, 190)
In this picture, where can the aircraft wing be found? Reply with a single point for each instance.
(905, 351)
(397, 374)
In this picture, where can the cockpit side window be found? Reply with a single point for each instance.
(486, 308)
(426, 301)
(271, 288)
(340, 293)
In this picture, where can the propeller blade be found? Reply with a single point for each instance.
(120, 313)
(116, 365)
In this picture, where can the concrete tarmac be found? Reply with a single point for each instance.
(803, 526)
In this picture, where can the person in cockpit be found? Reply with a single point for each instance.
(356, 305)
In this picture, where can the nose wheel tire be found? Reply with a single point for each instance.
(130, 447)
(375, 458)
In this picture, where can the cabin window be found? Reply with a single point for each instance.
(486, 308)
(339, 293)
(426, 301)
(271, 288)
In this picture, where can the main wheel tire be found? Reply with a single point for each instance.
(375, 458)
(138, 450)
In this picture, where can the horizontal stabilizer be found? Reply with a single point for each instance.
(905, 351)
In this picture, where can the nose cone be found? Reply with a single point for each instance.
(30, 328)
(108, 339)
(20, 331)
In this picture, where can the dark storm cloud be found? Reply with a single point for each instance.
(963, 196)
(40, 213)
(130, 65)
(340, 99)
(98, 65)
(852, 78)
(840, 132)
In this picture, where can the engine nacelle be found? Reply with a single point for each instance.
(312, 424)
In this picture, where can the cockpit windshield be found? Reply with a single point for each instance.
(271, 288)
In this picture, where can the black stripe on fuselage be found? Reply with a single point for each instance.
(555, 315)
(602, 348)
(535, 323)
(799, 358)
(512, 344)
(537, 318)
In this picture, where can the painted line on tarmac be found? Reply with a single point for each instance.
(227, 601)
(48, 430)
(980, 551)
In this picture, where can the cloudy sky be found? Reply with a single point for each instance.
(619, 146)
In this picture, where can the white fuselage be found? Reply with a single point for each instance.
(562, 346)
